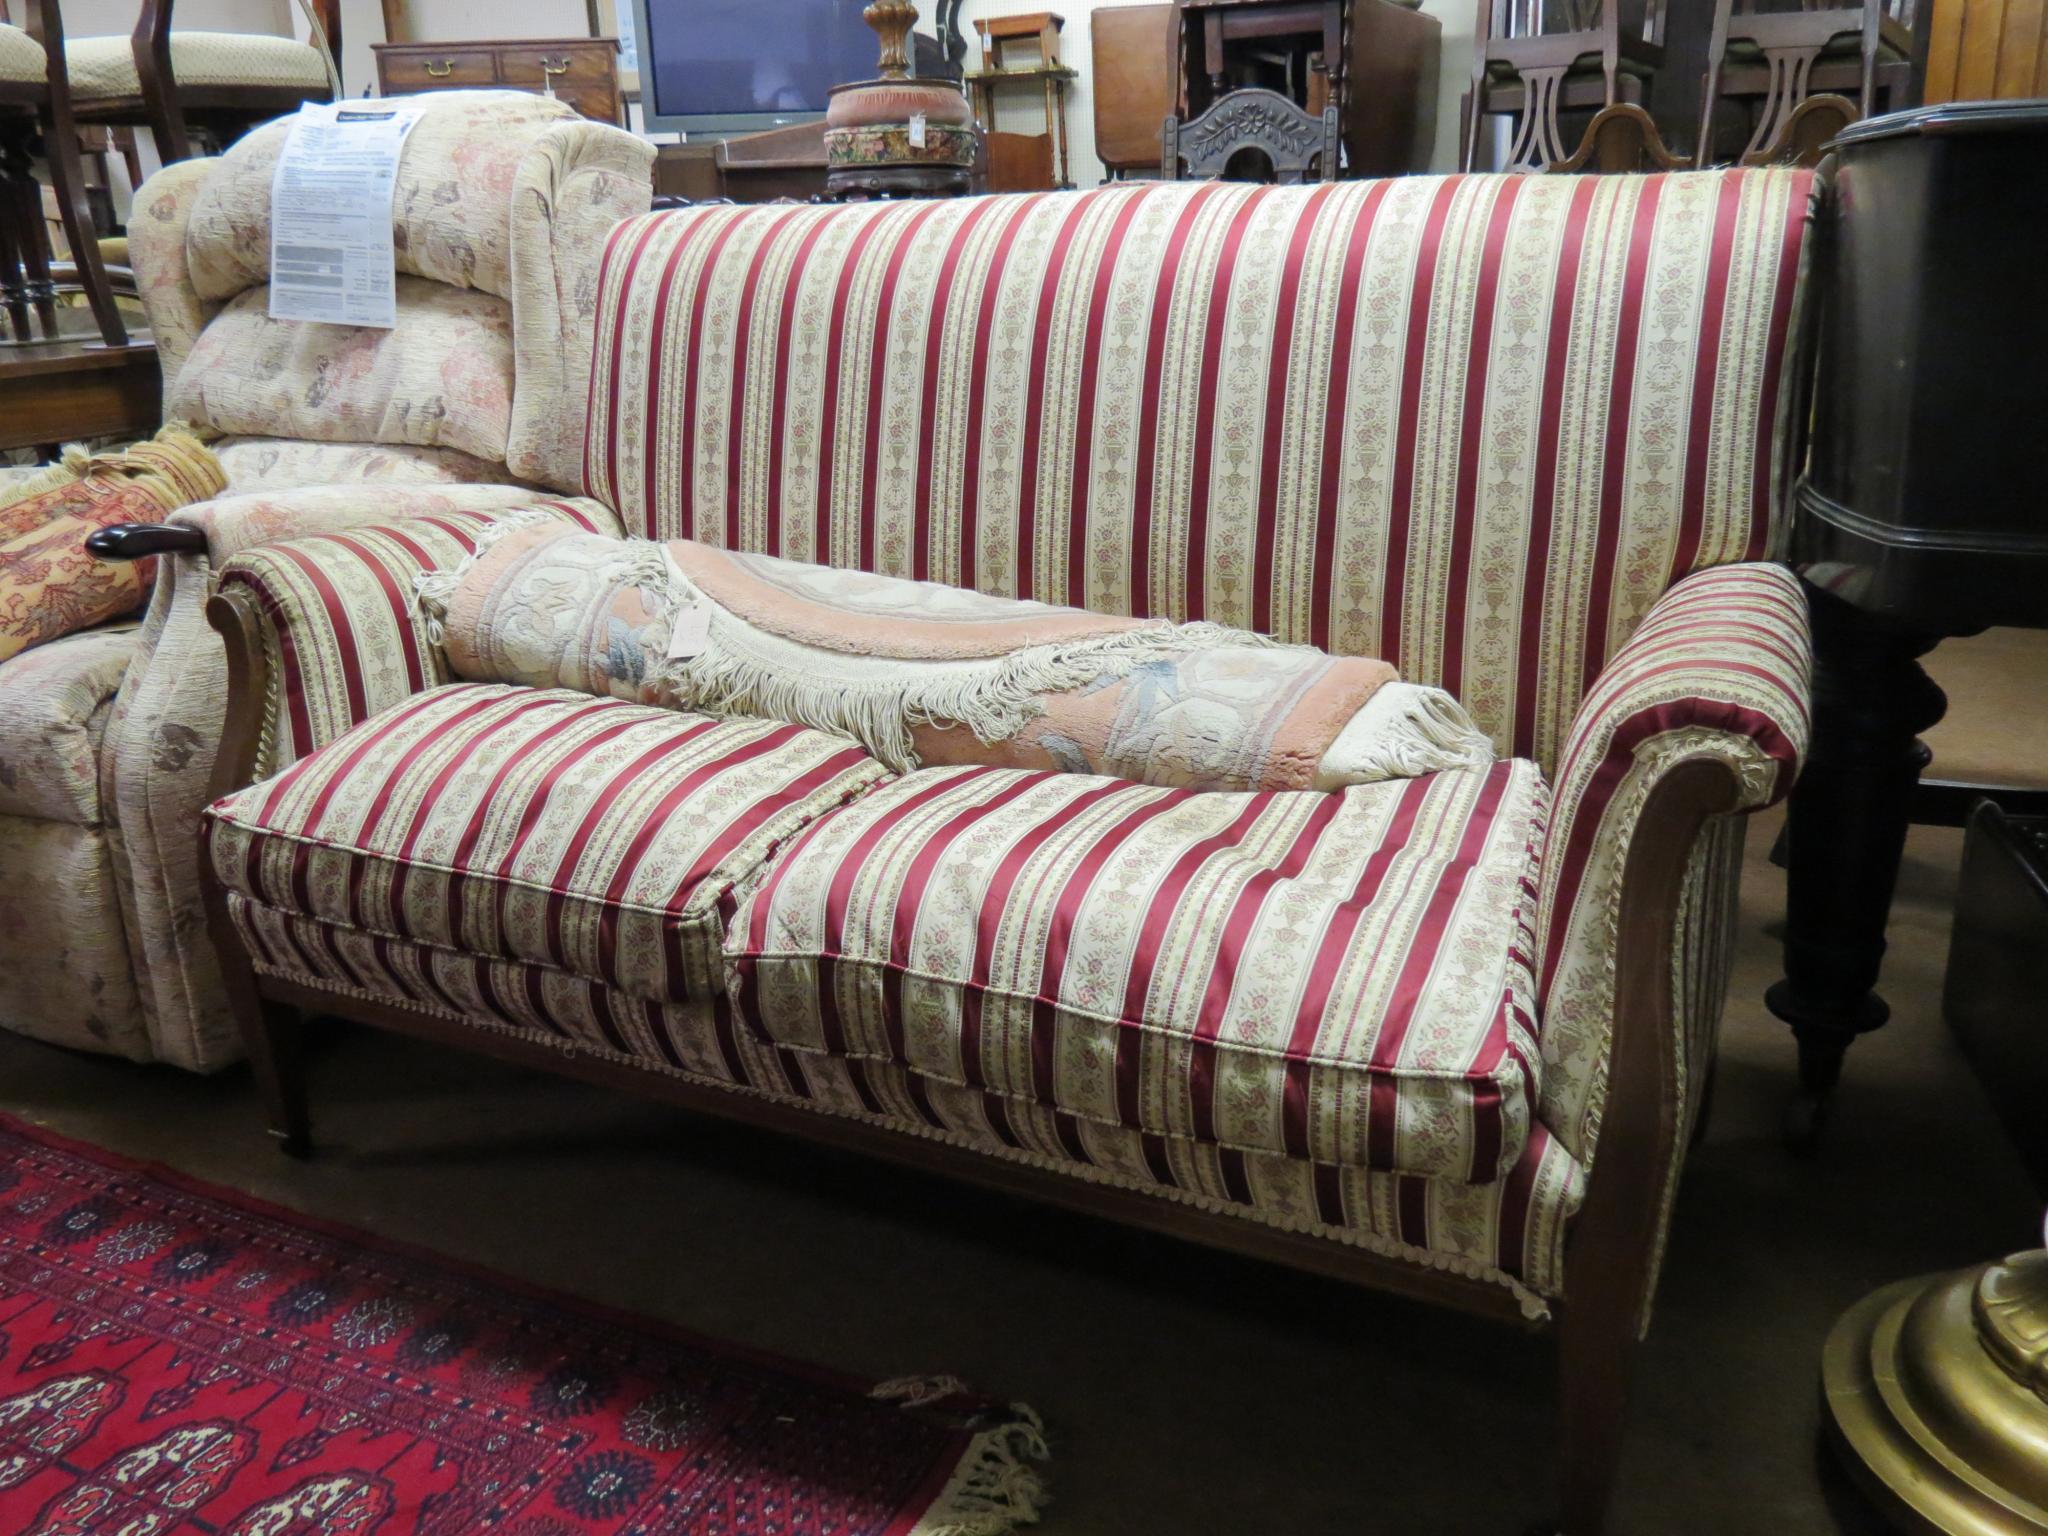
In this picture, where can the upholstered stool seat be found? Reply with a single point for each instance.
(104, 67)
(21, 56)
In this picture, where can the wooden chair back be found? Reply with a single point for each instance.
(1299, 145)
(1508, 19)
(163, 110)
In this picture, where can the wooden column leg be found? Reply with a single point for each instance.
(276, 1054)
(37, 285)
(14, 274)
(1845, 834)
(13, 278)
(1596, 1354)
(271, 1037)
(67, 177)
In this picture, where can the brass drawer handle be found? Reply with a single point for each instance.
(440, 69)
(554, 66)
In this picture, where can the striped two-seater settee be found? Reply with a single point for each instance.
(1527, 437)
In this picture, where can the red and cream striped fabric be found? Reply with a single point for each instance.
(1510, 1232)
(349, 638)
(1472, 425)
(602, 838)
(1341, 978)
(1719, 671)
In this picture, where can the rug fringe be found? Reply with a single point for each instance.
(1404, 731)
(998, 1485)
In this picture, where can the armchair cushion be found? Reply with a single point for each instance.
(1717, 671)
(603, 839)
(443, 377)
(1339, 977)
(450, 207)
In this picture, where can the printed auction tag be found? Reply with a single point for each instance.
(691, 632)
(331, 252)
(917, 130)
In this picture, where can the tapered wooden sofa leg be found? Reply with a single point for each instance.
(1596, 1351)
(276, 1052)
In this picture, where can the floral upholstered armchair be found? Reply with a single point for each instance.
(474, 402)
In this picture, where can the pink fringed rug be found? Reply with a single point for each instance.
(180, 1360)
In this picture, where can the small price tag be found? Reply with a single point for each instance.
(917, 130)
(691, 632)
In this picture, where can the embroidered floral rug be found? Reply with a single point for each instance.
(179, 1360)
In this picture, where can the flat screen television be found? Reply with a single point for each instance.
(709, 68)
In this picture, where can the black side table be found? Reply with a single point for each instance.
(1923, 514)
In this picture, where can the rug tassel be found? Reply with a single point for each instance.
(999, 1485)
(1404, 731)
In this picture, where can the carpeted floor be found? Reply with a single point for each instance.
(1190, 1393)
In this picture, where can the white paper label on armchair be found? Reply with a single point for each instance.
(331, 253)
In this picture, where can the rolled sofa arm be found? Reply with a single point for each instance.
(1716, 676)
(1702, 713)
(323, 632)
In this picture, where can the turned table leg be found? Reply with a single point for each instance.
(1845, 834)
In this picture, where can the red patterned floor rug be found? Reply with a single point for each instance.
(180, 1360)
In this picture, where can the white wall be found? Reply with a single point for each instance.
(1028, 116)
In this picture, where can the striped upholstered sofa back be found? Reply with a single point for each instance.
(1475, 425)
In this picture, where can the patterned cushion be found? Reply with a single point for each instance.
(53, 712)
(451, 208)
(1337, 977)
(441, 378)
(1471, 425)
(102, 67)
(602, 838)
(50, 585)
(21, 56)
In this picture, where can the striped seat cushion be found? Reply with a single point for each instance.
(1340, 978)
(1510, 1232)
(602, 838)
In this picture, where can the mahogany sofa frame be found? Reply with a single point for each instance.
(1610, 1258)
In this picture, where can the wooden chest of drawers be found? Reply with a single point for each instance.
(583, 71)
